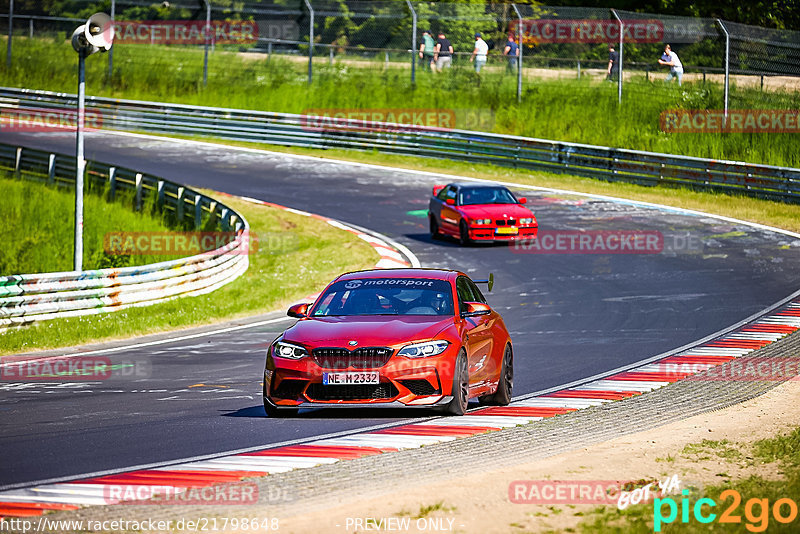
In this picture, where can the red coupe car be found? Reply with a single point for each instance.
(479, 212)
(396, 337)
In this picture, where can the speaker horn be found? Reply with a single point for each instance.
(96, 35)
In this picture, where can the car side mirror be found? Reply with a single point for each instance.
(523, 200)
(450, 202)
(298, 310)
(474, 309)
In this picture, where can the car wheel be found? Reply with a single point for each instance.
(274, 411)
(434, 227)
(460, 391)
(502, 396)
(463, 234)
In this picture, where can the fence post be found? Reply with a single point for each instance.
(207, 39)
(330, 56)
(727, 69)
(621, 44)
(579, 68)
(110, 50)
(198, 212)
(30, 29)
(51, 169)
(112, 183)
(160, 196)
(10, 31)
(413, 42)
(138, 181)
(269, 50)
(310, 40)
(519, 57)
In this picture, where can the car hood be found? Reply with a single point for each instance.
(496, 211)
(368, 331)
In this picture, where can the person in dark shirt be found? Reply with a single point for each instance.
(613, 64)
(511, 51)
(443, 53)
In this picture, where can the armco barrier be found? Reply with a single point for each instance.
(646, 168)
(27, 298)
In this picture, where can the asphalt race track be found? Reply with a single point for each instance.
(571, 316)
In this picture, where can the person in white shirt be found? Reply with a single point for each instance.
(670, 59)
(479, 54)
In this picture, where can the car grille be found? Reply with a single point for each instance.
(319, 391)
(361, 358)
(290, 389)
(419, 387)
(509, 222)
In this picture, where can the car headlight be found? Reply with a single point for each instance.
(528, 220)
(483, 221)
(289, 350)
(423, 350)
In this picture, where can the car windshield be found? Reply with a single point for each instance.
(386, 296)
(469, 196)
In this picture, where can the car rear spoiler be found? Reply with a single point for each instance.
(489, 281)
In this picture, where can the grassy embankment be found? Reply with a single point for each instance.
(568, 110)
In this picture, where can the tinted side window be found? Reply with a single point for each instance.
(476, 292)
(464, 292)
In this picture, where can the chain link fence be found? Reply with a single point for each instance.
(555, 42)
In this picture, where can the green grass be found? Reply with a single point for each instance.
(306, 254)
(38, 223)
(569, 110)
(783, 449)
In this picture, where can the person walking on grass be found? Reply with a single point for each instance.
(670, 59)
(426, 50)
(511, 51)
(443, 53)
(613, 64)
(479, 53)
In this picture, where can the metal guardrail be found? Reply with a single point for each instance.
(27, 298)
(613, 164)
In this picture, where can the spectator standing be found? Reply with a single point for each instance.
(426, 50)
(670, 59)
(479, 53)
(511, 51)
(443, 53)
(613, 64)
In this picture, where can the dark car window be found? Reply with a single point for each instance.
(469, 196)
(386, 296)
(476, 292)
(445, 191)
(464, 292)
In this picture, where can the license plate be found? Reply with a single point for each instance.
(508, 230)
(351, 378)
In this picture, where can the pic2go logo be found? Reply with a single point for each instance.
(756, 511)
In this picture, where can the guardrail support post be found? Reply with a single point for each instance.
(310, 41)
(413, 42)
(579, 69)
(51, 169)
(112, 182)
(727, 69)
(30, 28)
(223, 219)
(179, 208)
(621, 45)
(198, 211)
(138, 206)
(160, 195)
(17, 161)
